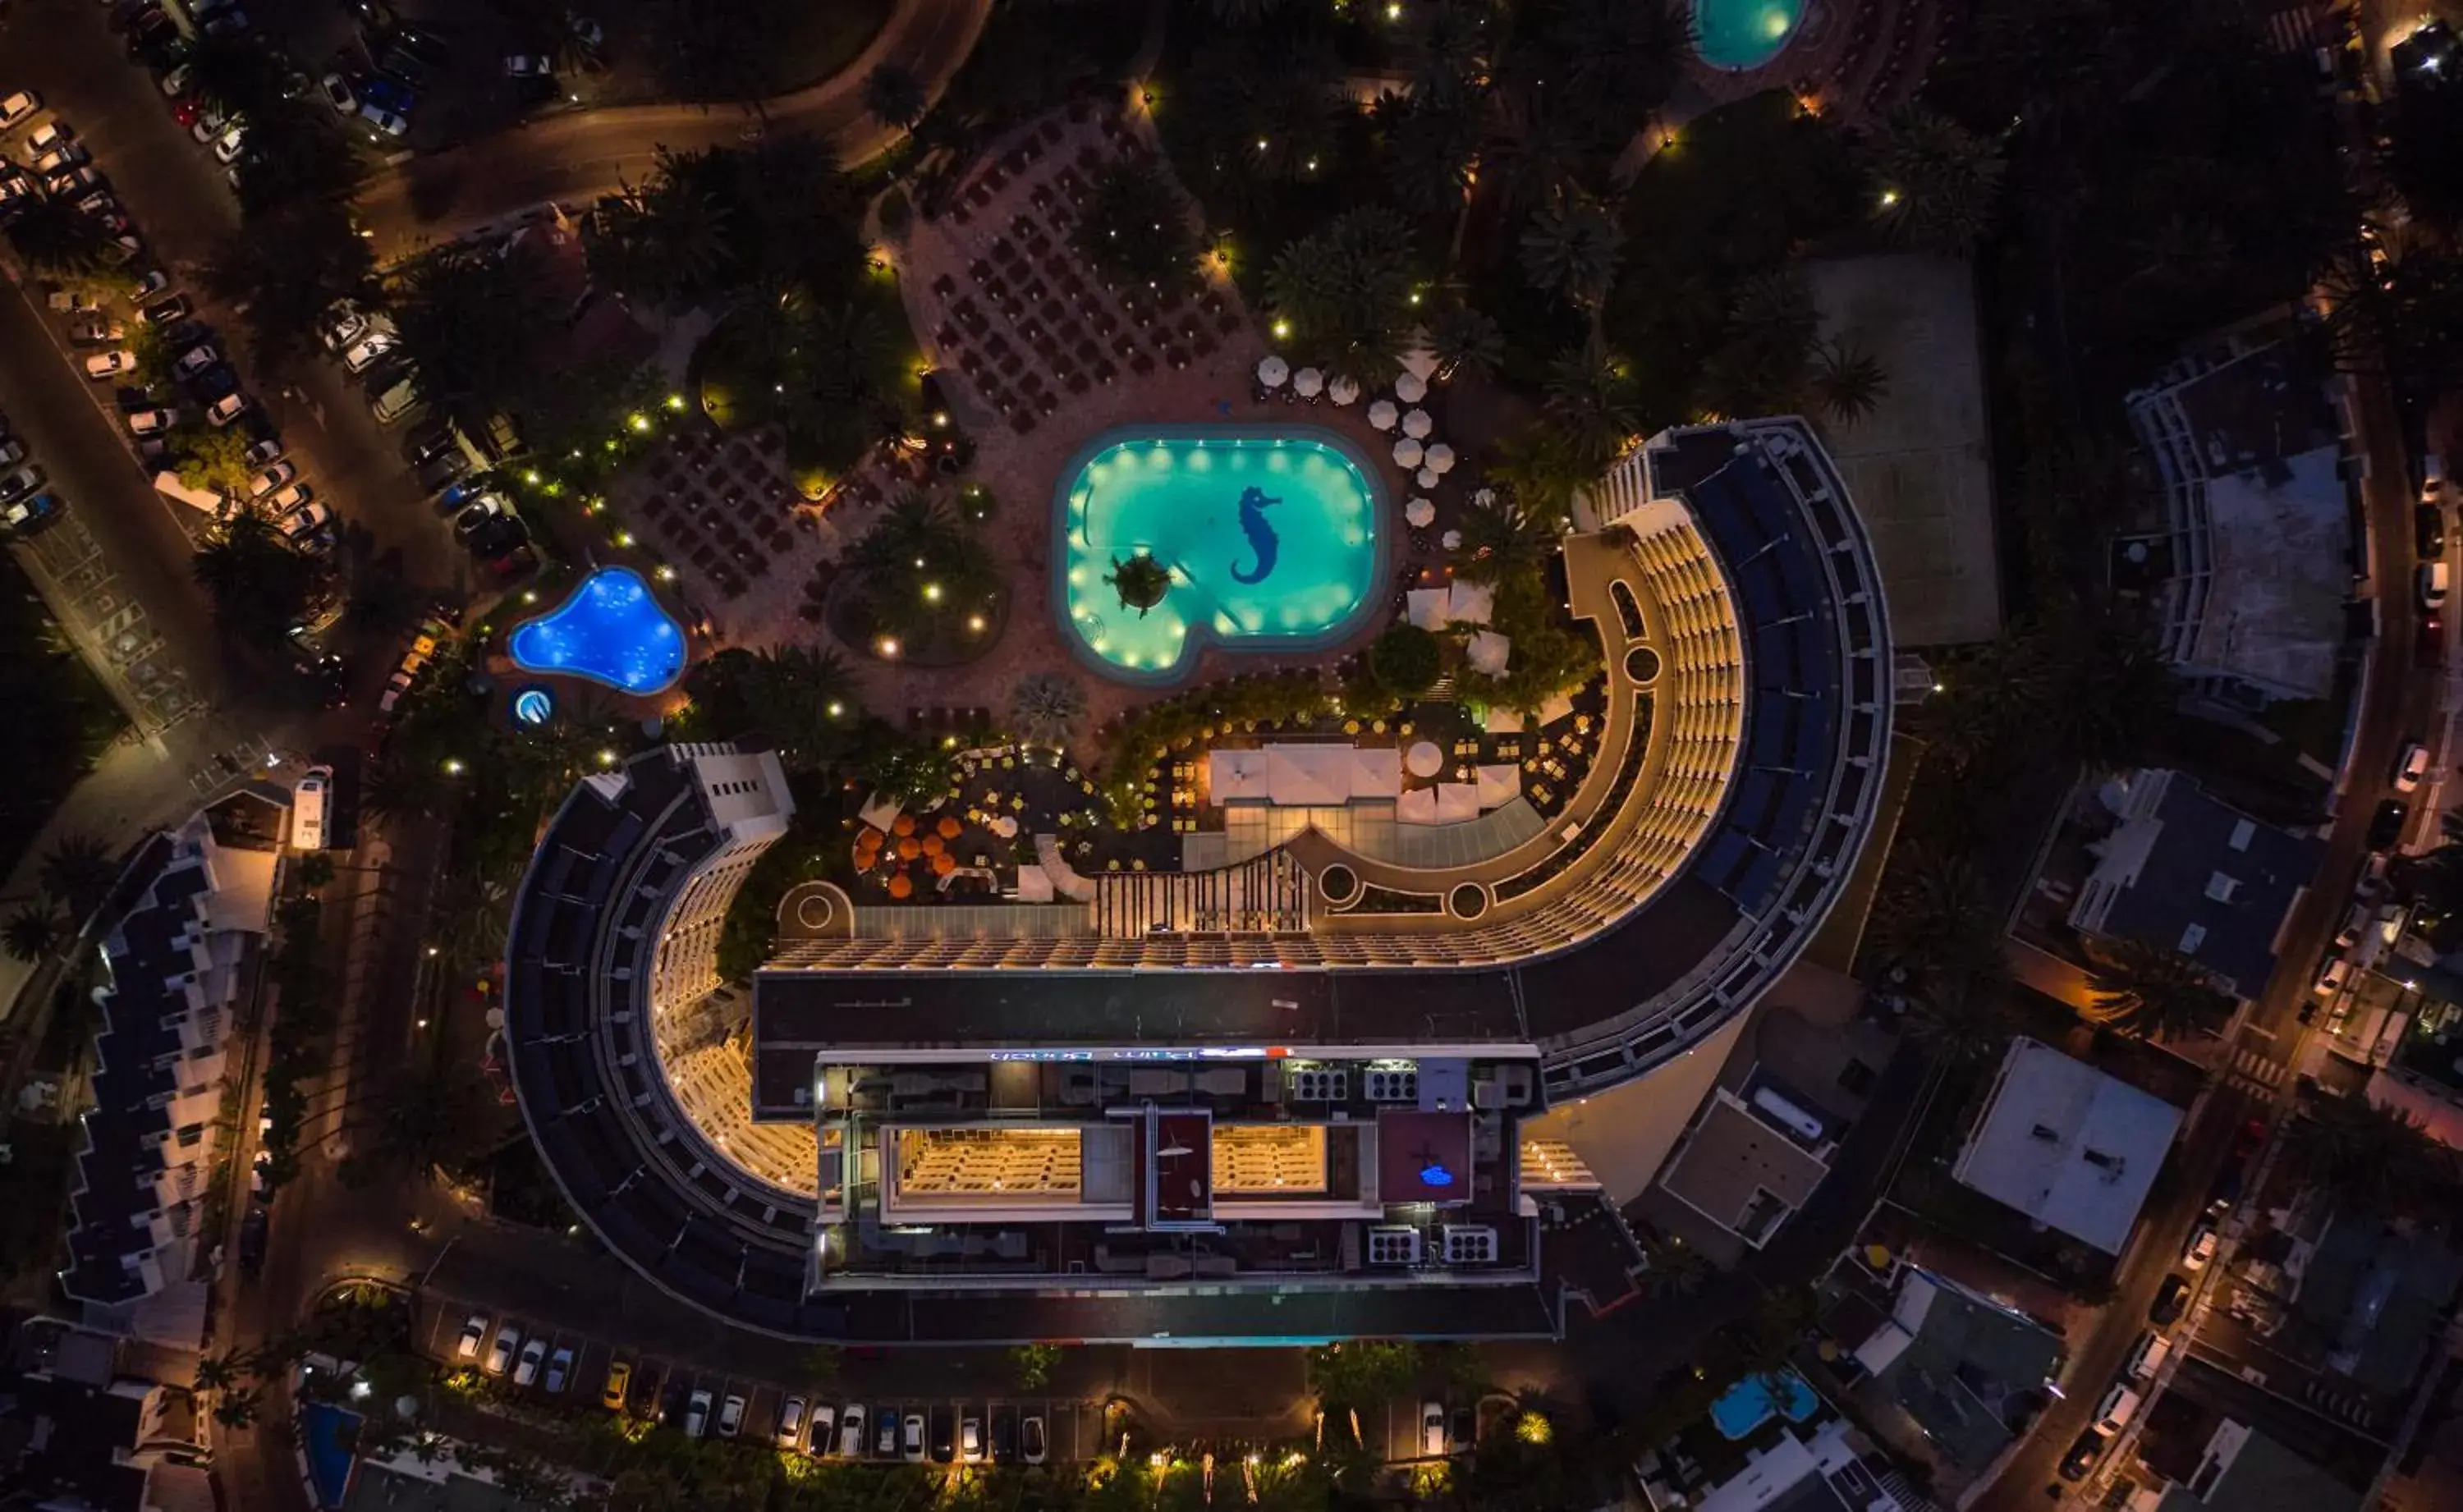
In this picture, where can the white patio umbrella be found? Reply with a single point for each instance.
(1420, 362)
(1308, 382)
(1452, 540)
(1489, 652)
(1440, 457)
(1484, 497)
(1411, 388)
(1427, 478)
(1383, 414)
(1343, 389)
(1419, 512)
(1417, 425)
(1407, 453)
(1273, 370)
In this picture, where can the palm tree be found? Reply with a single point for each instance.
(1141, 581)
(1590, 396)
(77, 873)
(56, 237)
(2154, 993)
(1135, 228)
(1936, 915)
(1962, 1018)
(1429, 143)
(1571, 250)
(1347, 290)
(2378, 1158)
(1046, 707)
(258, 586)
(668, 242)
(1501, 538)
(893, 96)
(1674, 1268)
(1464, 340)
(1845, 381)
(33, 932)
(239, 1409)
(1940, 182)
(220, 1372)
(1539, 155)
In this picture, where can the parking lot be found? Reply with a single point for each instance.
(1073, 1429)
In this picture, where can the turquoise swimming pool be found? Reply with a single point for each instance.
(611, 630)
(1273, 539)
(1751, 1402)
(1743, 34)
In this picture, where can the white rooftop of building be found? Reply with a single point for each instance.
(2070, 1146)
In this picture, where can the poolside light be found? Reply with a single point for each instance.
(529, 596)
(607, 756)
(1282, 330)
(640, 423)
(530, 476)
(1890, 197)
(452, 766)
(975, 623)
(1261, 144)
(675, 402)
(1394, 10)
(836, 708)
(624, 538)
(666, 574)
(888, 646)
(431, 951)
(932, 592)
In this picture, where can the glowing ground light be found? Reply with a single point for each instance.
(534, 706)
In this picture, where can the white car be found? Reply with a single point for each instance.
(851, 1425)
(474, 1333)
(1033, 1441)
(151, 422)
(176, 82)
(1433, 1430)
(910, 1438)
(47, 136)
(790, 1424)
(500, 1354)
(198, 359)
(338, 93)
(697, 1412)
(2333, 977)
(559, 1367)
(298, 501)
(970, 1439)
(2202, 1248)
(66, 156)
(110, 364)
(231, 143)
(384, 119)
(270, 479)
(226, 409)
(341, 326)
(12, 451)
(15, 109)
(528, 65)
(533, 1353)
(731, 1416)
(2411, 766)
(364, 354)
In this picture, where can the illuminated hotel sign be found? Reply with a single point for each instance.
(1191, 1052)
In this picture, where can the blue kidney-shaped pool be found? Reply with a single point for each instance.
(610, 630)
(1272, 536)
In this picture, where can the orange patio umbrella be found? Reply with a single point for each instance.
(905, 824)
(901, 885)
(934, 845)
(907, 849)
(949, 828)
(944, 864)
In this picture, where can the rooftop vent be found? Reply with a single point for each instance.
(1469, 1245)
(1395, 1085)
(1393, 1247)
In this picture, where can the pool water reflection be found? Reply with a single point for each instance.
(610, 631)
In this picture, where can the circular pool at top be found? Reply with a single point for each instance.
(1273, 537)
(610, 630)
(1739, 35)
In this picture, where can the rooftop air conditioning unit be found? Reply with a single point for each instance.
(1469, 1245)
(1393, 1247)
(1317, 1084)
(1392, 1086)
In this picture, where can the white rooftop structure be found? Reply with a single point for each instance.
(2070, 1146)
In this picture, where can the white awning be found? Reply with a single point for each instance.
(1411, 388)
(1472, 603)
(1309, 776)
(1457, 802)
(1500, 783)
(1428, 608)
(1488, 651)
(1418, 806)
(1343, 389)
(1237, 776)
(1376, 771)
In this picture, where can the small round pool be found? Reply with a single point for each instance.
(1739, 34)
(610, 630)
(1273, 539)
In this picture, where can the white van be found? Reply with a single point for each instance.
(2147, 1356)
(2119, 1405)
(2430, 586)
(310, 799)
(402, 398)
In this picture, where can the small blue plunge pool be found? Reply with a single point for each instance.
(324, 1431)
(611, 630)
(1755, 1400)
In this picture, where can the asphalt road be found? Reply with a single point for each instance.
(573, 159)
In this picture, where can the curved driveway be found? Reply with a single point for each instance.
(573, 159)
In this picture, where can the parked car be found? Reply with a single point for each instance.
(851, 1426)
(226, 409)
(731, 1416)
(474, 1333)
(233, 139)
(2333, 977)
(196, 360)
(264, 452)
(17, 108)
(251, 1239)
(1433, 1429)
(391, 94)
(790, 1424)
(2085, 1451)
(480, 510)
(1031, 1443)
(2429, 585)
(2170, 1298)
(96, 330)
(619, 1378)
(910, 1442)
(20, 482)
(2411, 766)
(970, 1439)
(528, 65)
(338, 94)
(2201, 1248)
(697, 1412)
(226, 23)
(559, 1367)
(58, 159)
(12, 451)
(382, 119)
(500, 1354)
(945, 1433)
(2428, 530)
(2386, 825)
(166, 312)
(1003, 1447)
(270, 479)
(110, 364)
(364, 354)
(885, 1431)
(533, 1353)
(306, 520)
